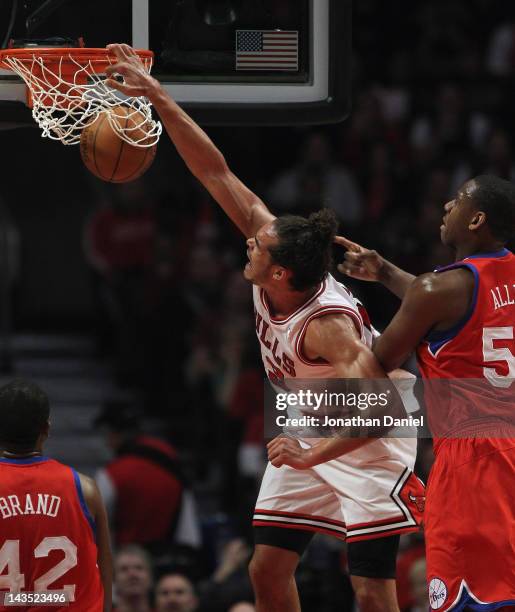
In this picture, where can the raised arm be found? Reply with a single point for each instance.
(198, 151)
(366, 264)
(335, 339)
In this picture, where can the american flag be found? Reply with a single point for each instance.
(267, 50)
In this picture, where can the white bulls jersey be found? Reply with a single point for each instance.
(282, 340)
(370, 492)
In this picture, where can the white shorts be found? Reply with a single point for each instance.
(369, 493)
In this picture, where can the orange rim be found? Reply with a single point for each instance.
(98, 58)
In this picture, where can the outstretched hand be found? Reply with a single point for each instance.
(136, 80)
(287, 451)
(359, 262)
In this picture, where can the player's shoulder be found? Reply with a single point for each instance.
(326, 334)
(333, 293)
(331, 326)
(334, 311)
(90, 491)
(443, 283)
(86, 481)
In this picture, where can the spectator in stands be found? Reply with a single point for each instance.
(132, 580)
(418, 585)
(120, 235)
(245, 412)
(143, 487)
(379, 191)
(175, 593)
(413, 551)
(230, 581)
(315, 181)
(496, 158)
(500, 159)
(501, 51)
(370, 124)
(442, 47)
(119, 242)
(449, 131)
(9, 273)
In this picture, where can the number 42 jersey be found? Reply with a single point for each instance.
(47, 536)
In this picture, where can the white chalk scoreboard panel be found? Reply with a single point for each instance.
(227, 61)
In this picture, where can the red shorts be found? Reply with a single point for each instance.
(470, 525)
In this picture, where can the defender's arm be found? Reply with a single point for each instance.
(366, 264)
(433, 301)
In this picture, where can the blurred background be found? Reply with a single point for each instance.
(127, 304)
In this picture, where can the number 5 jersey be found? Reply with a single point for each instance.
(470, 508)
(476, 357)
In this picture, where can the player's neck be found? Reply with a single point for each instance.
(13, 453)
(491, 246)
(283, 303)
(26, 455)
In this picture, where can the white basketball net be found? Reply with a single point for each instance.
(63, 105)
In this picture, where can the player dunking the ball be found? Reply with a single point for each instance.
(460, 320)
(54, 538)
(308, 326)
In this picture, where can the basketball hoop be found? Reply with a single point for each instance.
(66, 91)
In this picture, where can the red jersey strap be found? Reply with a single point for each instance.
(436, 339)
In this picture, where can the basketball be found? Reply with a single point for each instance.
(109, 157)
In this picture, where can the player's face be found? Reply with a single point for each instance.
(174, 594)
(260, 267)
(458, 216)
(132, 575)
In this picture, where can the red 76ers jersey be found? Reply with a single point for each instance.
(482, 344)
(47, 539)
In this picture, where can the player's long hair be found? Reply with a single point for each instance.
(305, 247)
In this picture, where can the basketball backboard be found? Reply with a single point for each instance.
(273, 62)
